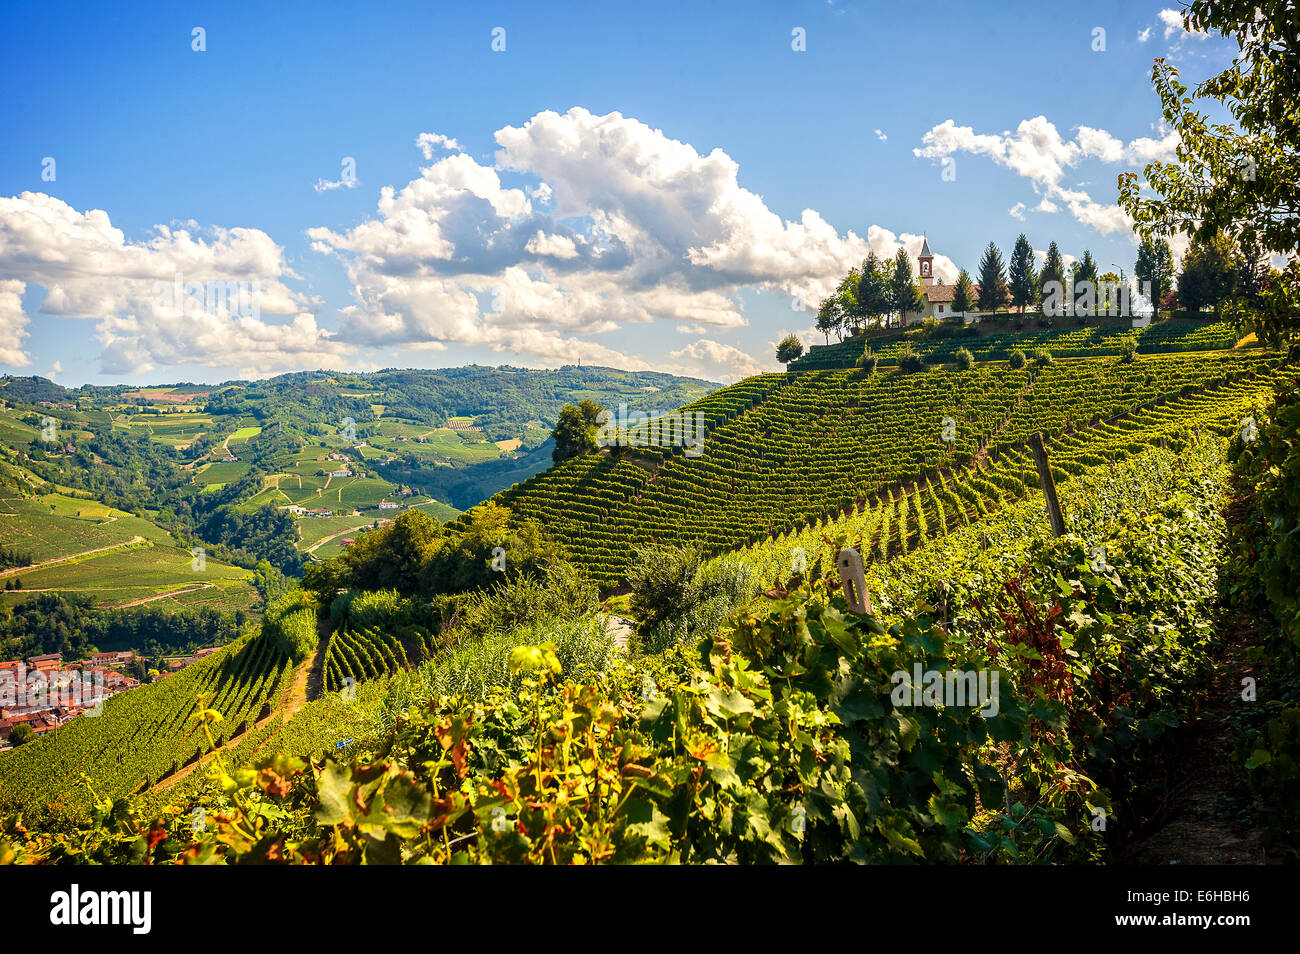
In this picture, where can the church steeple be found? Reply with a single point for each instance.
(926, 261)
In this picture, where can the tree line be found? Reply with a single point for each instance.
(879, 294)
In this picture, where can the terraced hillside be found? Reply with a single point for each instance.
(791, 448)
(144, 735)
(909, 516)
(117, 559)
(1094, 341)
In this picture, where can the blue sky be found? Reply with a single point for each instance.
(623, 187)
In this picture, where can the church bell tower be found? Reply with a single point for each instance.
(926, 261)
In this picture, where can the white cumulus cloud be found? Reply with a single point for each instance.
(1039, 153)
(183, 296)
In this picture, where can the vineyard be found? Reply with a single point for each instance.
(786, 450)
(145, 735)
(1088, 342)
(619, 770)
(1001, 502)
(358, 654)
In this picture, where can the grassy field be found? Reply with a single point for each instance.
(173, 430)
(138, 572)
(111, 556)
(222, 472)
(316, 529)
(440, 511)
(54, 526)
(244, 433)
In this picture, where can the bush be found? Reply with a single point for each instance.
(1016, 359)
(868, 362)
(1043, 358)
(364, 609)
(1128, 351)
(663, 583)
(290, 623)
(717, 590)
(964, 359)
(560, 594)
(909, 360)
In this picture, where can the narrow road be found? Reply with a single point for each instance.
(14, 571)
(342, 533)
(163, 596)
(619, 629)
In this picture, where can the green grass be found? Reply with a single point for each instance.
(244, 433)
(315, 529)
(49, 527)
(442, 512)
(222, 472)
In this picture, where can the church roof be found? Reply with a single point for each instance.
(925, 248)
(939, 294)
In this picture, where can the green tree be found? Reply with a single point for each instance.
(1155, 267)
(1253, 273)
(1209, 272)
(1242, 178)
(21, 733)
(963, 295)
(829, 318)
(1108, 294)
(1083, 281)
(902, 290)
(873, 290)
(1020, 273)
(1053, 269)
(992, 278)
(575, 431)
(788, 349)
(846, 293)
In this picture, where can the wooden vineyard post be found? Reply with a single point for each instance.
(852, 580)
(1048, 483)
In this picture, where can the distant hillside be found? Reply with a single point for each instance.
(286, 470)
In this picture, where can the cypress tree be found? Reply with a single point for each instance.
(1021, 273)
(992, 277)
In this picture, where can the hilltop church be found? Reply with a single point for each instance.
(938, 296)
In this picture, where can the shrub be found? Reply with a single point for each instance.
(561, 593)
(1016, 359)
(909, 360)
(663, 583)
(1128, 351)
(717, 589)
(964, 359)
(290, 623)
(1043, 358)
(868, 362)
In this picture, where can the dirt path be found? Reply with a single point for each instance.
(619, 629)
(342, 533)
(14, 571)
(1191, 826)
(163, 596)
(295, 698)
